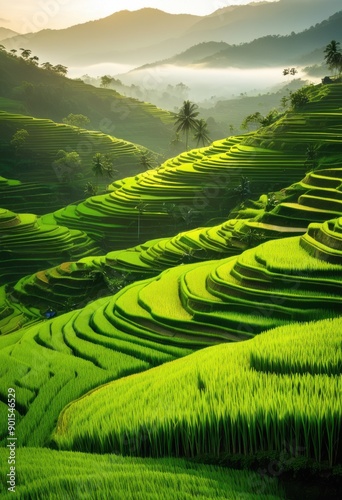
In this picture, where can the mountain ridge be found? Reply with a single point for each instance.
(151, 34)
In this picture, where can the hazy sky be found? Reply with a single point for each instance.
(33, 15)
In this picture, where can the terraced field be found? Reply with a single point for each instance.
(27, 245)
(46, 138)
(61, 289)
(34, 197)
(230, 399)
(201, 184)
(118, 372)
(158, 320)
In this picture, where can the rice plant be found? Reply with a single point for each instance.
(43, 473)
(223, 399)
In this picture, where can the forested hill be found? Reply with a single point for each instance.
(271, 50)
(46, 94)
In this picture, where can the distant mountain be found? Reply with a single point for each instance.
(148, 35)
(301, 48)
(244, 23)
(122, 37)
(6, 33)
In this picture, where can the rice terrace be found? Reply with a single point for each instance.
(171, 254)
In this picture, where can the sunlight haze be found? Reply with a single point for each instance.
(34, 15)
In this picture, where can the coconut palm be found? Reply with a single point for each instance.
(141, 207)
(333, 57)
(186, 120)
(202, 133)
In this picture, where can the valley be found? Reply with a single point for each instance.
(171, 276)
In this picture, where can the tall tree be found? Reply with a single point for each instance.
(186, 120)
(333, 56)
(202, 133)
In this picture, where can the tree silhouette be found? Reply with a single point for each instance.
(186, 120)
(90, 189)
(103, 166)
(34, 60)
(47, 65)
(60, 69)
(202, 133)
(25, 53)
(146, 160)
(106, 80)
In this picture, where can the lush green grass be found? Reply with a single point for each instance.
(224, 399)
(43, 473)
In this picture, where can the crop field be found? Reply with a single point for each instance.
(231, 398)
(91, 351)
(50, 474)
(46, 138)
(191, 312)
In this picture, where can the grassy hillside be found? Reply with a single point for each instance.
(34, 160)
(230, 399)
(264, 51)
(45, 94)
(274, 216)
(71, 285)
(154, 349)
(76, 475)
(158, 320)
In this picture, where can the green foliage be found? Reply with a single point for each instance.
(106, 80)
(333, 56)
(186, 120)
(202, 133)
(299, 98)
(20, 139)
(76, 120)
(67, 164)
(258, 119)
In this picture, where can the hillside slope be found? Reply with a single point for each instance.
(305, 47)
(45, 94)
(203, 183)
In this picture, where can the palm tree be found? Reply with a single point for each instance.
(202, 133)
(333, 57)
(98, 168)
(103, 167)
(186, 120)
(141, 207)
